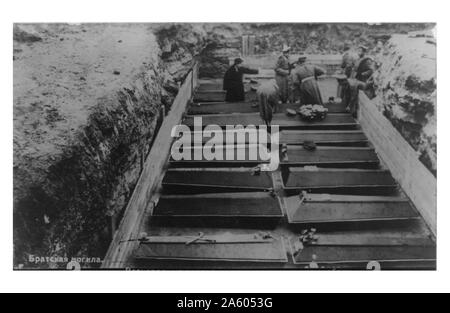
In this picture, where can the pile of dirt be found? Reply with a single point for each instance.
(87, 99)
(406, 83)
(209, 44)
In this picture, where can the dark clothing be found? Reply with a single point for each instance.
(350, 95)
(233, 83)
(305, 79)
(349, 60)
(282, 71)
(364, 69)
(268, 101)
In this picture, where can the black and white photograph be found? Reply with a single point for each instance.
(269, 146)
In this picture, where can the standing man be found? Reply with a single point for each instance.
(233, 81)
(364, 68)
(305, 79)
(268, 101)
(282, 73)
(349, 59)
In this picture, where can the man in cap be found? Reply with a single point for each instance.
(233, 81)
(282, 72)
(364, 68)
(349, 59)
(350, 92)
(305, 80)
(267, 94)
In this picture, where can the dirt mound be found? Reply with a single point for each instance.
(406, 82)
(86, 102)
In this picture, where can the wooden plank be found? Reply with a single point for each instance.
(374, 240)
(324, 137)
(348, 211)
(272, 251)
(241, 136)
(297, 155)
(339, 249)
(224, 107)
(222, 120)
(247, 107)
(234, 238)
(323, 178)
(149, 180)
(231, 155)
(220, 205)
(222, 178)
(219, 96)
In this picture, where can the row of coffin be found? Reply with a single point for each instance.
(341, 188)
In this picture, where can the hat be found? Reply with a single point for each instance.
(340, 77)
(302, 58)
(238, 61)
(286, 48)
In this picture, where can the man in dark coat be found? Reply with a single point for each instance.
(268, 100)
(364, 68)
(305, 78)
(233, 81)
(349, 59)
(351, 88)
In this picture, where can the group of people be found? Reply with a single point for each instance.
(297, 82)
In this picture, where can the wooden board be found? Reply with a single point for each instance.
(220, 205)
(219, 96)
(297, 155)
(359, 209)
(234, 155)
(339, 249)
(223, 178)
(322, 137)
(199, 138)
(272, 251)
(149, 180)
(321, 179)
(284, 121)
(247, 107)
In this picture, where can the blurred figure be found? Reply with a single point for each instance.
(282, 73)
(350, 88)
(349, 59)
(365, 66)
(233, 82)
(305, 80)
(267, 95)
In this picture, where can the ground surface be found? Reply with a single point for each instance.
(58, 80)
(86, 98)
(406, 82)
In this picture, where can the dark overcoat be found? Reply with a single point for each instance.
(233, 83)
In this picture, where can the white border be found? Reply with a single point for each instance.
(222, 11)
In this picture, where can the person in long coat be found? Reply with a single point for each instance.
(305, 79)
(233, 81)
(351, 88)
(282, 73)
(364, 67)
(267, 95)
(349, 60)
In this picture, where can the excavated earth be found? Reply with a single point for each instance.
(88, 99)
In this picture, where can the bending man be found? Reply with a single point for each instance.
(268, 101)
(305, 79)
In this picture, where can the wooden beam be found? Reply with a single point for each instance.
(223, 120)
(363, 209)
(145, 191)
